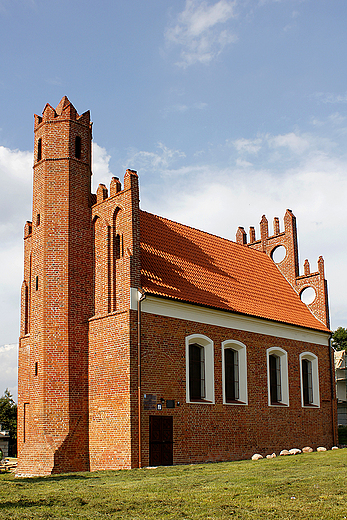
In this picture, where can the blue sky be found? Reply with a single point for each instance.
(228, 109)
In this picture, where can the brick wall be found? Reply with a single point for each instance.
(212, 432)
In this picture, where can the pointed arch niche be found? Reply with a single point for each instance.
(102, 293)
(117, 253)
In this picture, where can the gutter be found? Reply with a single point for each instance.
(140, 297)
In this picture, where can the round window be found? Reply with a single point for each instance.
(308, 295)
(278, 254)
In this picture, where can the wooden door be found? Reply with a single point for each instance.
(160, 440)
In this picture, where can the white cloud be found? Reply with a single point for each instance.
(8, 363)
(329, 97)
(248, 145)
(151, 161)
(297, 144)
(100, 166)
(179, 107)
(198, 31)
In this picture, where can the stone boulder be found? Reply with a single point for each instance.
(257, 456)
(272, 456)
(321, 448)
(307, 449)
(284, 452)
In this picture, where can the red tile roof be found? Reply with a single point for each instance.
(183, 263)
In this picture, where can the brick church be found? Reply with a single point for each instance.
(146, 342)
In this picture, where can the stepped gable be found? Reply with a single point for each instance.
(193, 266)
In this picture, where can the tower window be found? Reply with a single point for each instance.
(37, 282)
(39, 149)
(36, 368)
(38, 219)
(78, 147)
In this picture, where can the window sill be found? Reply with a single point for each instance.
(310, 406)
(236, 402)
(200, 401)
(279, 404)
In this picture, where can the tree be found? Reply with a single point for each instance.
(340, 339)
(8, 419)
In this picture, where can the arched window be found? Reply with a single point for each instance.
(309, 379)
(199, 369)
(277, 370)
(78, 147)
(234, 366)
(197, 388)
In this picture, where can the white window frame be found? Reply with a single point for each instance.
(282, 354)
(207, 345)
(242, 362)
(315, 380)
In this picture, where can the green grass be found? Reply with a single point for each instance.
(310, 486)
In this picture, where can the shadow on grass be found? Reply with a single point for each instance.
(57, 478)
(26, 503)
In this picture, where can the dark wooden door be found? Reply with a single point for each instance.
(160, 441)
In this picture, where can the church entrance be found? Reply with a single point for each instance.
(160, 441)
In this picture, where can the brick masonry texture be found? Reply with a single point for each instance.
(78, 354)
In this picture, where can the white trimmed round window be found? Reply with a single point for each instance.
(308, 295)
(278, 254)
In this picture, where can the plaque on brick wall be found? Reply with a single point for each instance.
(150, 401)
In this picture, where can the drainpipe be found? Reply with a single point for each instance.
(332, 382)
(140, 297)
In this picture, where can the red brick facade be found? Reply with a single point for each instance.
(86, 258)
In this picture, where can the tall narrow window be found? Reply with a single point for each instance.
(78, 147)
(196, 371)
(37, 283)
(199, 369)
(231, 364)
(309, 379)
(307, 382)
(36, 368)
(234, 372)
(277, 366)
(39, 149)
(275, 379)
(38, 219)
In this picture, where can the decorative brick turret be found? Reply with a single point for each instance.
(57, 298)
(289, 266)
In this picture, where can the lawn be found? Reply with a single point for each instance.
(307, 486)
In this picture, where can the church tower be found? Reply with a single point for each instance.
(57, 298)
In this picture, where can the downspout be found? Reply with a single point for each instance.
(140, 297)
(332, 383)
